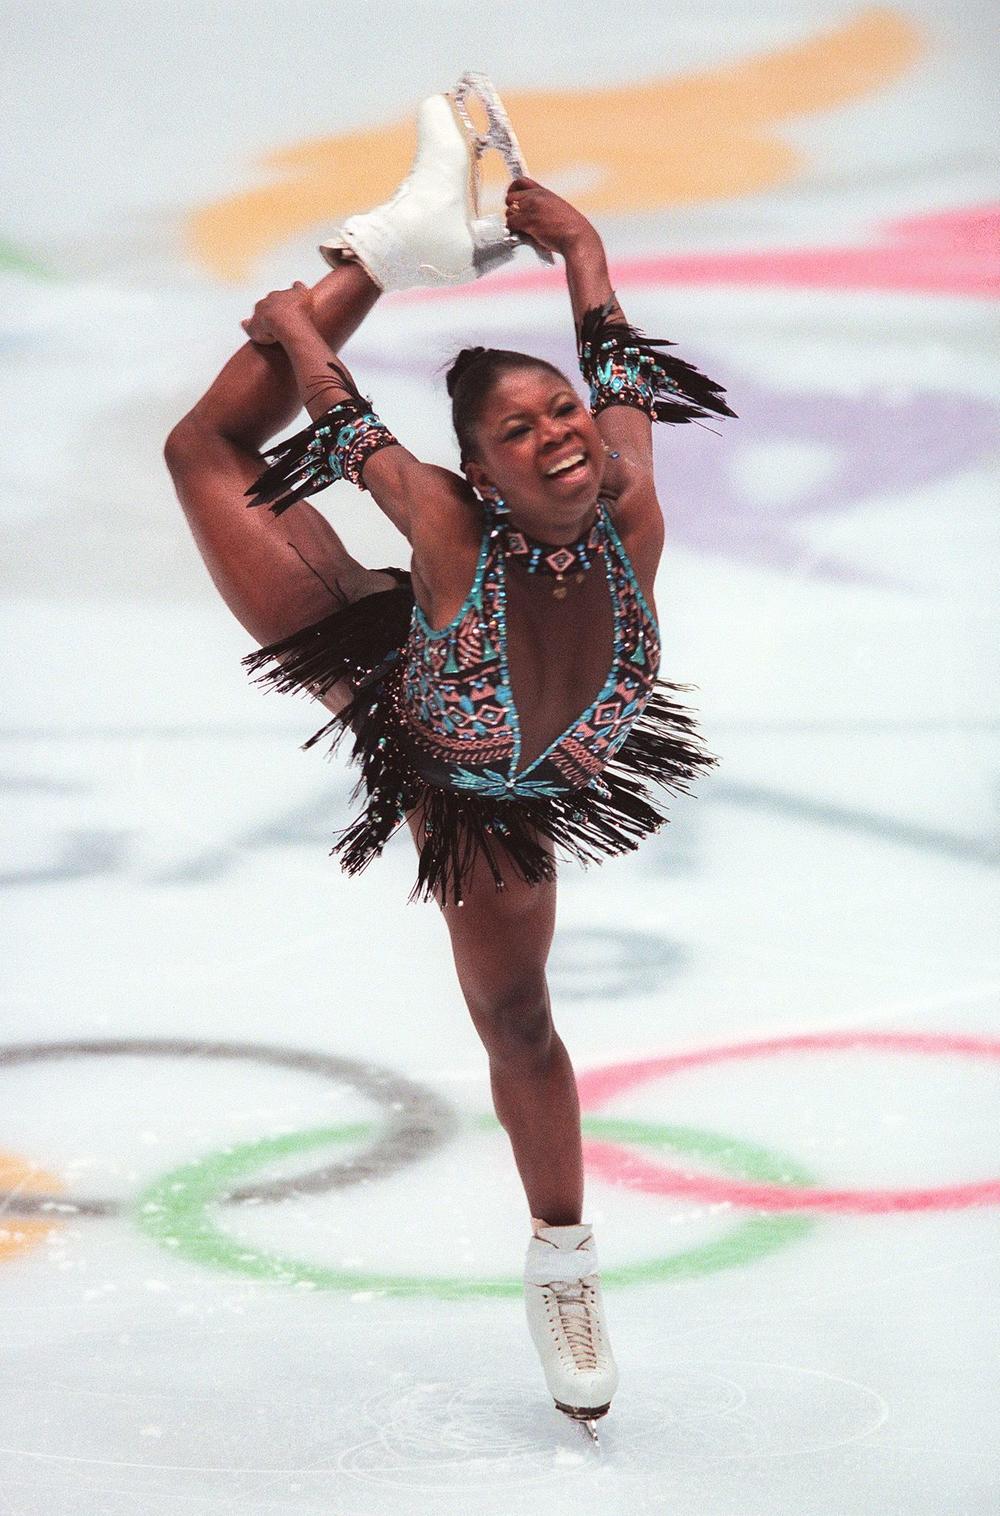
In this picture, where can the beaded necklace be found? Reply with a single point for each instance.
(547, 557)
(557, 559)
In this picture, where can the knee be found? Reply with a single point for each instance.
(515, 1024)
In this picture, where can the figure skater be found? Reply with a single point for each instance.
(502, 692)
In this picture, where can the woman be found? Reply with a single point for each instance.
(476, 685)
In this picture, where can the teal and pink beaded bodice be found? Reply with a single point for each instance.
(454, 696)
(436, 730)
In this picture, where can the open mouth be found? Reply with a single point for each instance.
(573, 467)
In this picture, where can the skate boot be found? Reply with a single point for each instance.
(562, 1294)
(431, 230)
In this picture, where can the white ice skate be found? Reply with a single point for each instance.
(431, 231)
(562, 1295)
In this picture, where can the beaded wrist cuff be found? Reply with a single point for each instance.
(619, 380)
(355, 440)
(623, 367)
(337, 445)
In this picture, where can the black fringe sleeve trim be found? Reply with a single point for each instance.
(624, 367)
(334, 446)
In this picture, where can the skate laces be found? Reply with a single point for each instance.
(576, 1318)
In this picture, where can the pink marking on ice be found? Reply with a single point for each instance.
(618, 1165)
(598, 1085)
(951, 252)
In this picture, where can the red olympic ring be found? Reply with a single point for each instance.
(618, 1165)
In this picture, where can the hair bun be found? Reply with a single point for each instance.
(462, 362)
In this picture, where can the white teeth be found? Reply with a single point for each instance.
(565, 464)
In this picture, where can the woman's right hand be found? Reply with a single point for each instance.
(279, 313)
(544, 217)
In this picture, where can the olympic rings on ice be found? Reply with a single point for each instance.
(417, 1121)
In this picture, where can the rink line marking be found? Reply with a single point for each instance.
(235, 731)
(178, 1468)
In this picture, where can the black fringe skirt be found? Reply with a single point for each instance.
(363, 643)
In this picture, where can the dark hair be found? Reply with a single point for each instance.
(472, 375)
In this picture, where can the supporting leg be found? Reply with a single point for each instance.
(536, 1102)
(501, 942)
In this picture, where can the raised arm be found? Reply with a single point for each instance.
(631, 382)
(626, 429)
(346, 438)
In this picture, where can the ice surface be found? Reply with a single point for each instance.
(232, 1279)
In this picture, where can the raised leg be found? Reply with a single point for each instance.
(501, 942)
(276, 574)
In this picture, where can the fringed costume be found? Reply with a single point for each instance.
(433, 716)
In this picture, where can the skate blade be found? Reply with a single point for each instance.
(498, 136)
(586, 1416)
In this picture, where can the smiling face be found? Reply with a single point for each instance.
(538, 445)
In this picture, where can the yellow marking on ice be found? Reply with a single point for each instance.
(630, 147)
(19, 1235)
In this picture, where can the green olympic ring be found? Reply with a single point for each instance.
(173, 1211)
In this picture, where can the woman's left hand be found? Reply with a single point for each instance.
(279, 312)
(543, 217)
